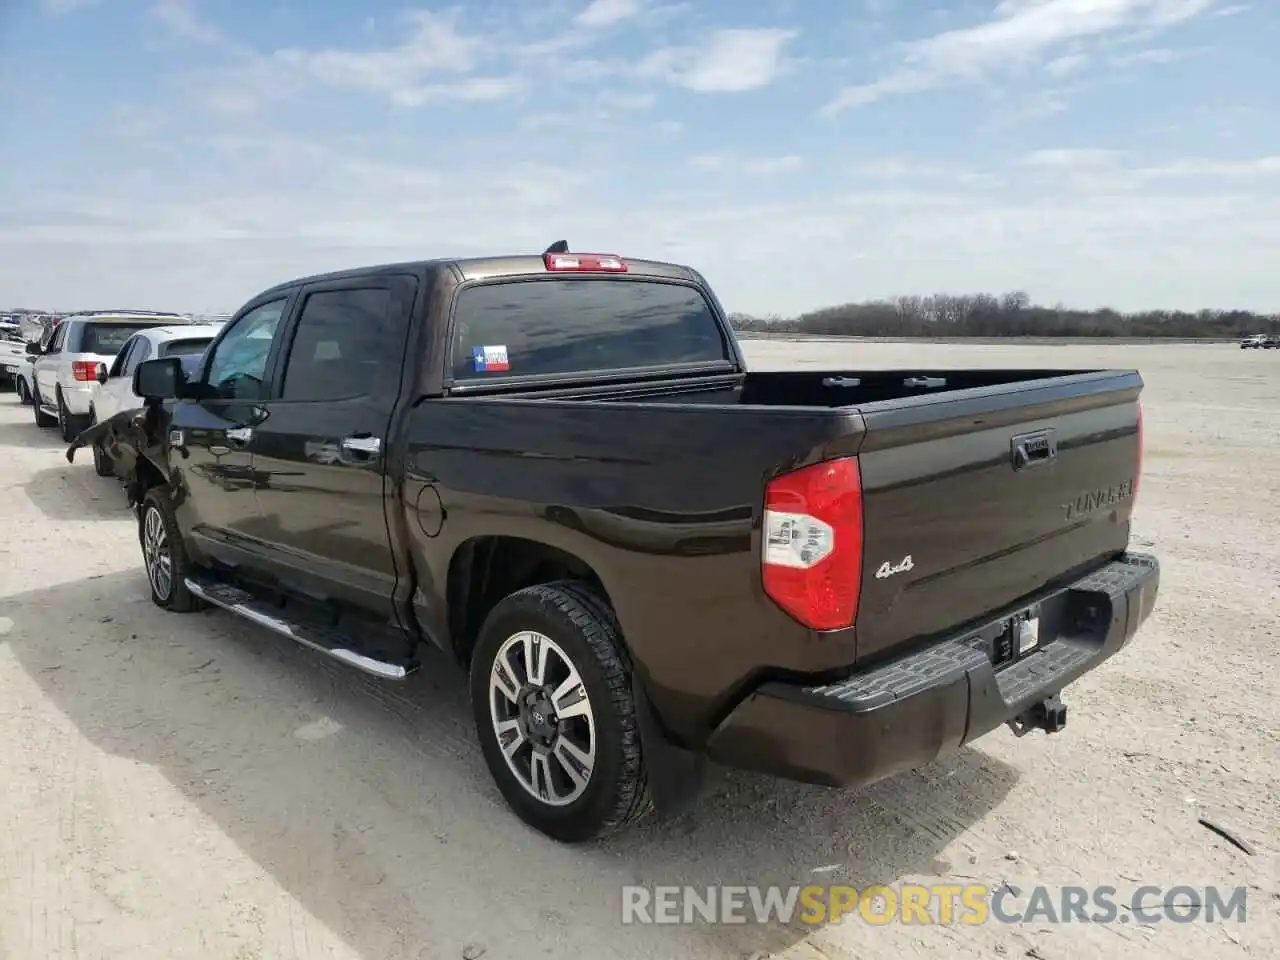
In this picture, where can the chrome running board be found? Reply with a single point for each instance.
(332, 643)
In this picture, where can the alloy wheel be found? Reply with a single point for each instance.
(542, 718)
(156, 554)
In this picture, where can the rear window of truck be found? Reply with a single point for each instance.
(580, 325)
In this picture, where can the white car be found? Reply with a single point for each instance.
(24, 380)
(13, 355)
(66, 368)
(112, 389)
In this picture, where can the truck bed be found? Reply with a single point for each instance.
(661, 486)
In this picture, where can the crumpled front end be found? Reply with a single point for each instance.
(133, 442)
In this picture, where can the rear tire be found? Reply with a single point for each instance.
(164, 554)
(42, 419)
(69, 424)
(590, 780)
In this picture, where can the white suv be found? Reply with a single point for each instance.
(67, 368)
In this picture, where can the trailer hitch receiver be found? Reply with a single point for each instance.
(1049, 715)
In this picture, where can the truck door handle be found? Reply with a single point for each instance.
(240, 435)
(368, 446)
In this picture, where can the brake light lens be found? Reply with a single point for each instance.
(812, 543)
(84, 370)
(584, 263)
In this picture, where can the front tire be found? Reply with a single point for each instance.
(164, 554)
(24, 392)
(551, 693)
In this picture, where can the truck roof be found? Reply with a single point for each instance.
(487, 268)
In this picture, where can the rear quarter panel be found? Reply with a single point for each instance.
(662, 502)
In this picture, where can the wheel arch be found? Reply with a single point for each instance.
(485, 568)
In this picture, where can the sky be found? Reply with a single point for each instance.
(185, 154)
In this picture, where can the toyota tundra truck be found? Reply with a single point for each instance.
(559, 470)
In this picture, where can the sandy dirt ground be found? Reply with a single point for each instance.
(191, 787)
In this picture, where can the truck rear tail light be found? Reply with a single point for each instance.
(812, 543)
(84, 370)
(584, 263)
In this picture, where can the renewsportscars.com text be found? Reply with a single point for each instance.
(971, 904)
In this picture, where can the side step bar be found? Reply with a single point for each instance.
(330, 642)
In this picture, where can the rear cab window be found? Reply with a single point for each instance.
(184, 348)
(580, 326)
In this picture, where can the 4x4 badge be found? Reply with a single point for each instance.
(888, 569)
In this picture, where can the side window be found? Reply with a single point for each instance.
(141, 351)
(238, 368)
(342, 340)
(59, 338)
(119, 364)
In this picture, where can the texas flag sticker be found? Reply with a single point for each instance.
(490, 359)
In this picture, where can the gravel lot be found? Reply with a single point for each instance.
(182, 787)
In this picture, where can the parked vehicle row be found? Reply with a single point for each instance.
(558, 469)
(1260, 341)
(71, 365)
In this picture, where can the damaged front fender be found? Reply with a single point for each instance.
(136, 444)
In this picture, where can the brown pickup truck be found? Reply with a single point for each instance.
(559, 470)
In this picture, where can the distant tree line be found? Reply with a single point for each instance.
(1010, 315)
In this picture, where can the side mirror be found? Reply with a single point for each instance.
(101, 373)
(159, 379)
(33, 349)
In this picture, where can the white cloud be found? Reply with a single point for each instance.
(268, 210)
(1094, 161)
(1201, 168)
(755, 166)
(471, 90)
(1073, 221)
(1157, 55)
(435, 62)
(1066, 64)
(1019, 34)
(1081, 223)
(434, 46)
(181, 19)
(1072, 158)
(728, 61)
(606, 13)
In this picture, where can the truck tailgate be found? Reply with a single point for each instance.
(977, 499)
